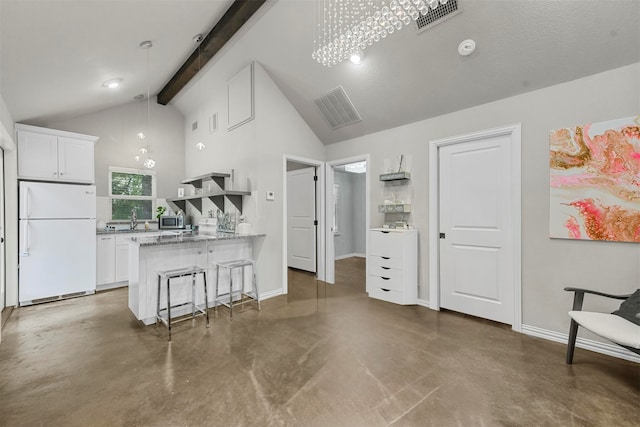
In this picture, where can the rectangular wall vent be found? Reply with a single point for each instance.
(438, 15)
(336, 107)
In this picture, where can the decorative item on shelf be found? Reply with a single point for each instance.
(343, 28)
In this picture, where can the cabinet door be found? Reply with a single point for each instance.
(106, 257)
(122, 263)
(75, 160)
(37, 156)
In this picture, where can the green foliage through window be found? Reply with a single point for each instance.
(121, 208)
(130, 184)
(131, 190)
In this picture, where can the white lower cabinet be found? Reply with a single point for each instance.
(113, 258)
(106, 261)
(392, 265)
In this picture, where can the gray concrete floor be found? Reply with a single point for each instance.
(324, 355)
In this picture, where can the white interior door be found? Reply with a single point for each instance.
(3, 282)
(301, 217)
(476, 254)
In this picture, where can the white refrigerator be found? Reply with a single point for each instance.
(57, 241)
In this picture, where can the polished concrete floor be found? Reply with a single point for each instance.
(324, 355)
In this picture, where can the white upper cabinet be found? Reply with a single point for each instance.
(75, 160)
(52, 155)
(38, 156)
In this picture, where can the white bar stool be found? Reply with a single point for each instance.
(251, 295)
(192, 271)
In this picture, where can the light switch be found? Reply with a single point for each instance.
(271, 195)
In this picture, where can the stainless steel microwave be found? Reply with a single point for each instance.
(171, 222)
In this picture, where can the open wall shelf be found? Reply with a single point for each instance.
(219, 197)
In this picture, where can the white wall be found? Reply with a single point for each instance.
(548, 265)
(255, 151)
(11, 215)
(117, 128)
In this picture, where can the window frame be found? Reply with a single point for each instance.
(132, 171)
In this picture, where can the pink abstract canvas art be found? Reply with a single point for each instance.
(595, 181)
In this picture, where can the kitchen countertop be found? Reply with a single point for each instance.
(171, 239)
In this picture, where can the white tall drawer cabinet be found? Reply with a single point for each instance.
(392, 265)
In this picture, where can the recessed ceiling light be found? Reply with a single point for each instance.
(112, 84)
(357, 58)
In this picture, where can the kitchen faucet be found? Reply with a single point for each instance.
(134, 219)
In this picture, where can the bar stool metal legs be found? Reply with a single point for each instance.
(174, 274)
(252, 295)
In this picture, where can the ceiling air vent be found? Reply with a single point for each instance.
(337, 108)
(438, 15)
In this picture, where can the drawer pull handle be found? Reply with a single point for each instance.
(386, 290)
(385, 232)
(385, 268)
(385, 257)
(385, 278)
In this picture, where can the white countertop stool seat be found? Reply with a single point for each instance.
(164, 314)
(237, 293)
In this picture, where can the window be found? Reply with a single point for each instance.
(131, 189)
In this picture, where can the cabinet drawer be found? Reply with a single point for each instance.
(388, 262)
(385, 243)
(387, 273)
(379, 282)
(391, 296)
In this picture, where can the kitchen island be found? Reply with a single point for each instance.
(148, 255)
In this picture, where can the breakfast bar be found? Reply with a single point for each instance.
(148, 255)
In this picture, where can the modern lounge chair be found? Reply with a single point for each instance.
(621, 327)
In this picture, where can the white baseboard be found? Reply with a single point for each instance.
(271, 294)
(423, 303)
(350, 256)
(587, 344)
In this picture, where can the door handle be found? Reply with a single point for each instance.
(26, 239)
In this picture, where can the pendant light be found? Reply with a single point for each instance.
(149, 163)
(199, 144)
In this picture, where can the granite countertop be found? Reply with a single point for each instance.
(178, 238)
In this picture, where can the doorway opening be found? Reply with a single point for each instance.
(303, 228)
(348, 222)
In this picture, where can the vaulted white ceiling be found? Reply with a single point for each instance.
(56, 54)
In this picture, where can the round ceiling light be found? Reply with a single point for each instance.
(112, 84)
(466, 47)
(356, 58)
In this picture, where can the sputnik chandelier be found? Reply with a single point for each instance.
(344, 27)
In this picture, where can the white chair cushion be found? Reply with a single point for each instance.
(609, 326)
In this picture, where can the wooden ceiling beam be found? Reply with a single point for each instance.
(233, 19)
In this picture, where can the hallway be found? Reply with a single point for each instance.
(325, 355)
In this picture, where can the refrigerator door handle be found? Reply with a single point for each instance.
(26, 241)
(26, 203)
